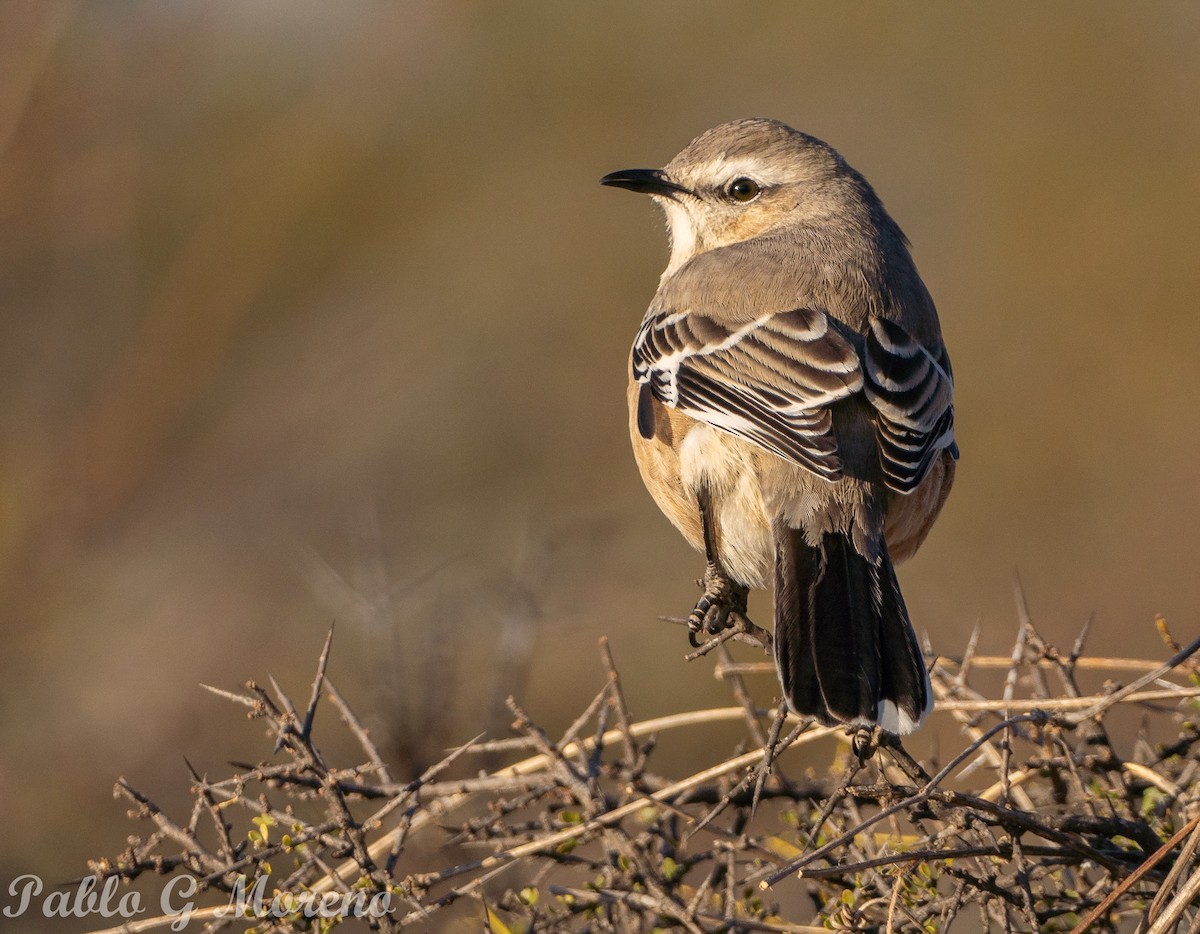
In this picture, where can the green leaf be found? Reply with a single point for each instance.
(671, 870)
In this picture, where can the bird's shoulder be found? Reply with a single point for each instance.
(741, 282)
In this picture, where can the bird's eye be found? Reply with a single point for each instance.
(743, 189)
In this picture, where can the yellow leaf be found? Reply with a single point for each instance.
(780, 847)
(495, 925)
(897, 839)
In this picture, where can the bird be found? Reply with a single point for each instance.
(791, 408)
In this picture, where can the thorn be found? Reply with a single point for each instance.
(1081, 639)
(229, 695)
(318, 683)
(1019, 596)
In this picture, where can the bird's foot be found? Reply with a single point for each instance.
(864, 741)
(722, 606)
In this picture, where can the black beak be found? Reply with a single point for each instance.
(644, 181)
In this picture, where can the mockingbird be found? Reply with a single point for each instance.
(792, 410)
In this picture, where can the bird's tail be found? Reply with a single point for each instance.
(844, 648)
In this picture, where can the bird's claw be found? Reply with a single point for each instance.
(721, 606)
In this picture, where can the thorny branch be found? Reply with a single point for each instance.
(1036, 821)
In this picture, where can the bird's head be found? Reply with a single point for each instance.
(747, 179)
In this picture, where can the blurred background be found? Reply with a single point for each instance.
(316, 312)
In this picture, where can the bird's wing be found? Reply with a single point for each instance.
(913, 394)
(770, 380)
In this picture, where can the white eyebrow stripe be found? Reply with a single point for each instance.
(727, 170)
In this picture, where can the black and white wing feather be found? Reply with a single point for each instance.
(770, 380)
(913, 394)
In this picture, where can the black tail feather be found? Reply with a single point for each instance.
(795, 565)
(905, 679)
(844, 647)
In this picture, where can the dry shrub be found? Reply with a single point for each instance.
(1035, 823)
